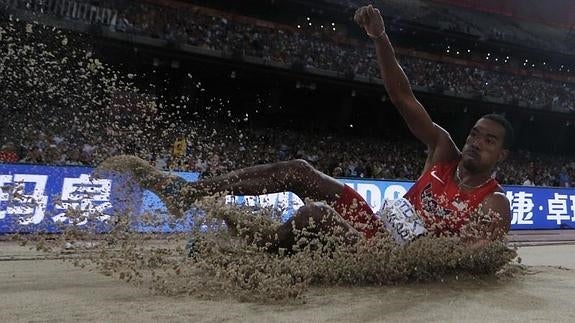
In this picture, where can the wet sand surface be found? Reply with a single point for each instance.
(37, 287)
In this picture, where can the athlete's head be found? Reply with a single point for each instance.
(488, 143)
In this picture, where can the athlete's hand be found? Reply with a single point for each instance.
(371, 20)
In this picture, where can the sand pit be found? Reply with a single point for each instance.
(36, 287)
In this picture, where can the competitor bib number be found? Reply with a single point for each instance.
(401, 220)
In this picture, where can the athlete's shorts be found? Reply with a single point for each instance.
(401, 220)
(398, 217)
(354, 209)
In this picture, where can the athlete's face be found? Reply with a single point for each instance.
(484, 146)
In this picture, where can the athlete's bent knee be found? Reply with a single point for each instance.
(301, 166)
(314, 212)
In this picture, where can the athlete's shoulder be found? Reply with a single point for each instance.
(446, 146)
(445, 167)
(498, 196)
(439, 170)
(498, 202)
(497, 209)
(499, 189)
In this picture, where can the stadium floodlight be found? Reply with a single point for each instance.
(469, 50)
(298, 26)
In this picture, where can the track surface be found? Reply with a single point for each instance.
(34, 287)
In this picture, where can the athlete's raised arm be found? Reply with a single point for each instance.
(397, 85)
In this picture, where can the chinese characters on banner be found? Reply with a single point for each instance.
(560, 208)
(34, 198)
(40, 198)
(25, 197)
(84, 197)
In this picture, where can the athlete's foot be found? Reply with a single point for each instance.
(168, 187)
(138, 168)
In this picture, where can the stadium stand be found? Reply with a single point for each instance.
(241, 39)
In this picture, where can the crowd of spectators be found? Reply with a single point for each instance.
(466, 80)
(483, 25)
(46, 148)
(347, 57)
(218, 149)
(317, 50)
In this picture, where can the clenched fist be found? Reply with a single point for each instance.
(371, 20)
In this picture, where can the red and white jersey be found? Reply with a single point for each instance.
(444, 208)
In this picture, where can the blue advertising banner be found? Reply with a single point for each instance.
(37, 198)
(531, 207)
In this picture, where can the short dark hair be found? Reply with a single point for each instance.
(509, 133)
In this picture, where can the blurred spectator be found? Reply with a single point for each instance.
(179, 147)
(564, 178)
(8, 153)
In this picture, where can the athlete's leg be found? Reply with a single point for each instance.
(313, 221)
(296, 176)
(146, 175)
(317, 219)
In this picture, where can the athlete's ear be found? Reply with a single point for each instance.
(503, 155)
